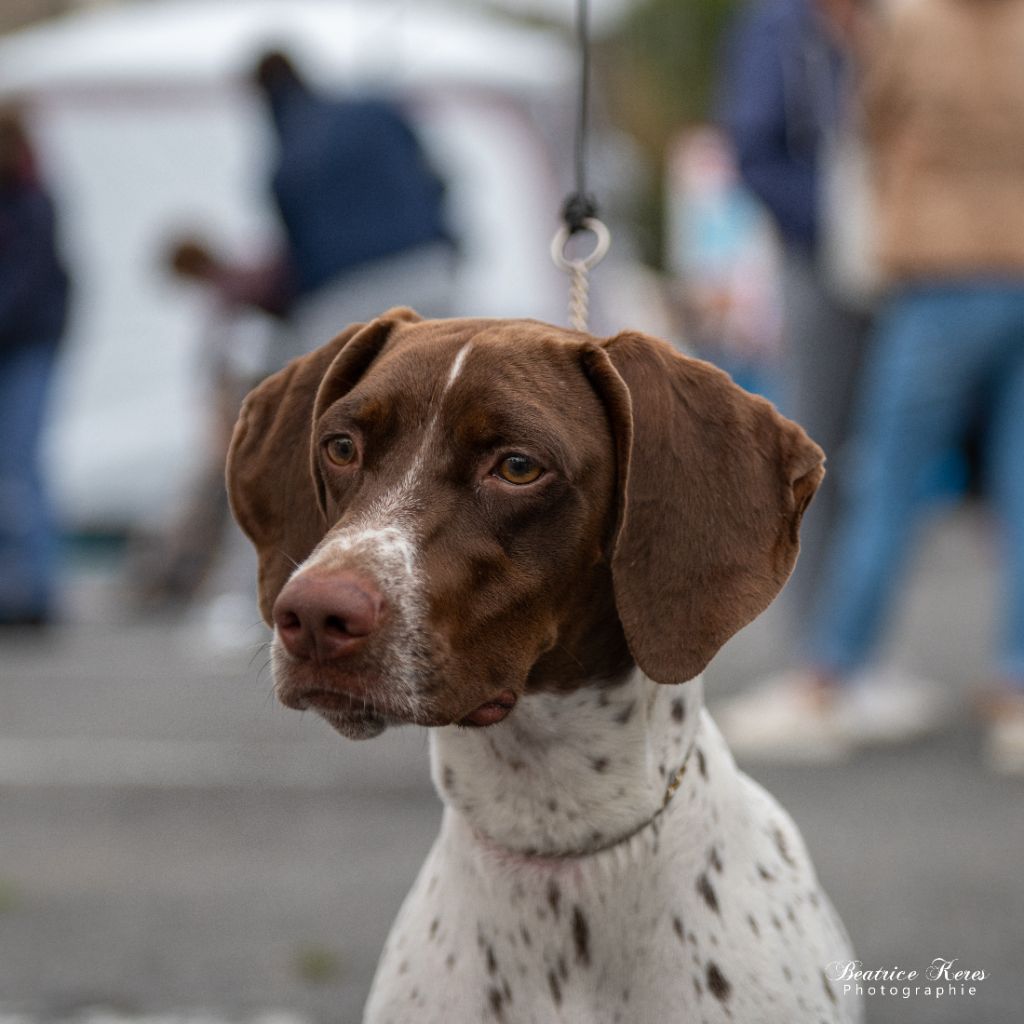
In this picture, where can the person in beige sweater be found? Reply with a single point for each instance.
(944, 113)
(944, 123)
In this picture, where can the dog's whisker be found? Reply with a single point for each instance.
(260, 651)
(288, 558)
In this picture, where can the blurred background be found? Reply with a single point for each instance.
(176, 846)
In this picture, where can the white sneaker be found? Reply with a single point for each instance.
(784, 719)
(888, 706)
(788, 718)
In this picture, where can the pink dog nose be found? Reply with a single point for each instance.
(326, 616)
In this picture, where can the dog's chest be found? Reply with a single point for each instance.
(711, 914)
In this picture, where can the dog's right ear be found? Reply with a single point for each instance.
(270, 482)
(713, 483)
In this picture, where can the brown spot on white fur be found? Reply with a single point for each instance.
(718, 984)
(581, 936)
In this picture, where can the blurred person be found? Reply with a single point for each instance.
(33, 309)
(168, 567)
(362, 209)
(723, 251)
(946, 139)
(783, 95)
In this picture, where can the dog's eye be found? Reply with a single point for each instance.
(518, 469)
(341, 450)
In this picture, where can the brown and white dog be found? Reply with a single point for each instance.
(516, 534)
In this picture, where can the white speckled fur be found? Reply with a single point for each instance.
(712, 912)
(569, 771)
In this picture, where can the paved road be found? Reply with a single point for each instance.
(173, 841)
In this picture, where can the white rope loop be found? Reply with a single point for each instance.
(577, 269)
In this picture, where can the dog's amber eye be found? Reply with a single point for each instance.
(518, 469)
(341, 450)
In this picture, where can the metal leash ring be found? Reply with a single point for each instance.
(577, 269)
(602, 242)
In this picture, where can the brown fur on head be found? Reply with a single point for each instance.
(664, 520)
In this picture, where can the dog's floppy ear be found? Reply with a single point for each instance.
(270, 482)
(712, 485)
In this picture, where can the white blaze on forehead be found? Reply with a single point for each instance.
(456, 369)
(400, 498)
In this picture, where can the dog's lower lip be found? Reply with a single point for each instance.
(330, 700)
(493, 711)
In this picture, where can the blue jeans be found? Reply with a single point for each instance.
(940, 351)
(27, 534)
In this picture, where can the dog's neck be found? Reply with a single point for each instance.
(570, 773)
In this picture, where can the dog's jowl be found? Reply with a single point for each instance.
(533, 541)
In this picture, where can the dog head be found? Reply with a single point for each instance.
(451, 513)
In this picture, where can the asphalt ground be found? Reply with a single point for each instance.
(177, 848)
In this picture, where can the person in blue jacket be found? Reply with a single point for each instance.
(33, 310)
(352, 183)
(362, 208)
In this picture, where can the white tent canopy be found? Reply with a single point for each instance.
(403, 44)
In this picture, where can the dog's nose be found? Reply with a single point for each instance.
(328, 616)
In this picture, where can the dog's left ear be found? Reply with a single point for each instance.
(271, 484)
(713, 483)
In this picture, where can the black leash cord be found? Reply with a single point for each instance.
(580, 205)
